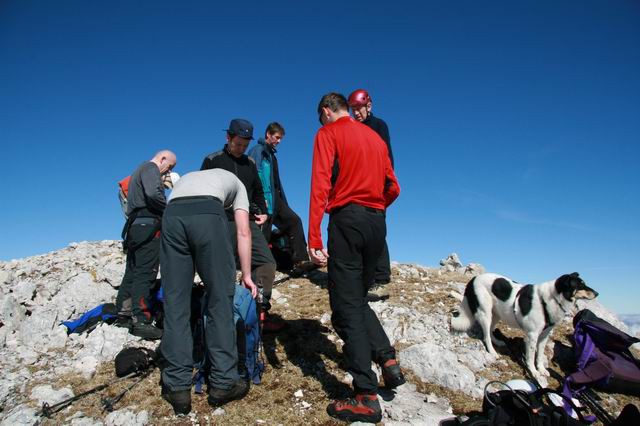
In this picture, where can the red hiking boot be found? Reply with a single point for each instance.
(361, 408)
(392, 375)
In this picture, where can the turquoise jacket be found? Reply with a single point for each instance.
(267, 165)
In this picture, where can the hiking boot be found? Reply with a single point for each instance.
(392, 375)
(218, 397)
(271, 324)
(180, 400)
(378, 291)
(302, 267)
(361, 408)
(123, 322)
(146, 331)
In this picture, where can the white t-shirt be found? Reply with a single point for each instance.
(218, 183)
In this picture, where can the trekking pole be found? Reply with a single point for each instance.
(108, 403)
(589, 399)
(281, 280)
(49, 410)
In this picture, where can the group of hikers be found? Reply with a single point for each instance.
(220, 219)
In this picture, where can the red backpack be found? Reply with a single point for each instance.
(123, 193)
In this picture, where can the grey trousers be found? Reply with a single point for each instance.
(195, 238)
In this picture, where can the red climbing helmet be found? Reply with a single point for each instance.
(359, 98)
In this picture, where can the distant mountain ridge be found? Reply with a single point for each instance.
(633, 322)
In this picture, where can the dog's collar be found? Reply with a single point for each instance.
(561, 306)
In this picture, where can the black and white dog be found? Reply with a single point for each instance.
(489, 298)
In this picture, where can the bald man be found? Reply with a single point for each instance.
(145, 204)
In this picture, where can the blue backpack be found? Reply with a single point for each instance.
(250, 364)
(90, 319)
(246, 318)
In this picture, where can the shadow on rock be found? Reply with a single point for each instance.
(304, 342)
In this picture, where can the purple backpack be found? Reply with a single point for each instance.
(603, 358)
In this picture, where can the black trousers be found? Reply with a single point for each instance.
(260, 253)
(356, 240)
(263, 265)
(383, 267)
(287, 221)
(141, 271)
(195, 238)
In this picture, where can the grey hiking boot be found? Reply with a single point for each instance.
(378, 291)
(146, 331)
(218, 397)
(180, 400)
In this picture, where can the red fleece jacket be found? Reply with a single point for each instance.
(363, 168)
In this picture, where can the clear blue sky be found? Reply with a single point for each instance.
(515, 125)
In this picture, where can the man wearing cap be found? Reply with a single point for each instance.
(280, 214)
(233, 159)
(352, 179)
(195, 237)
(145, 204)
(361, 104)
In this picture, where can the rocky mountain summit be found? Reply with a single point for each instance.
(447, 372)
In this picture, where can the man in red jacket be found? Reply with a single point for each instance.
(352, 180)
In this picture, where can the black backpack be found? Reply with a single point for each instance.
(520, 408)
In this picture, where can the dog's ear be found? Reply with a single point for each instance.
(575, 274)
(566, 285)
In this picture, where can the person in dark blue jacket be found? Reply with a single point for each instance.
(280, 214)
(360, 103)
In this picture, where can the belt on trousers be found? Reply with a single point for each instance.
(357, 207)
(144, 221)
(189, 206)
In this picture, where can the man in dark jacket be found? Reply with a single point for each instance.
(280, 214)
(361, 103)
(233, 159)
(145, 204)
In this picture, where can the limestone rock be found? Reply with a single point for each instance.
(46, 393)
(126, 417)
(20, 415)
(451, 263)
(405, 406)
(434, 364)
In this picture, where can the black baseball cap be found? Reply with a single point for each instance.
(240, 127)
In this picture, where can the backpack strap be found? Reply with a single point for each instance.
(567, 402)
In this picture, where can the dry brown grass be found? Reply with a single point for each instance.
(305, 357)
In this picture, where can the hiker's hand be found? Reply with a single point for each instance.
(319, 256)
(261, 218)
(247, 282)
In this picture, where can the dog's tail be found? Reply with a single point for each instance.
(463, 319)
